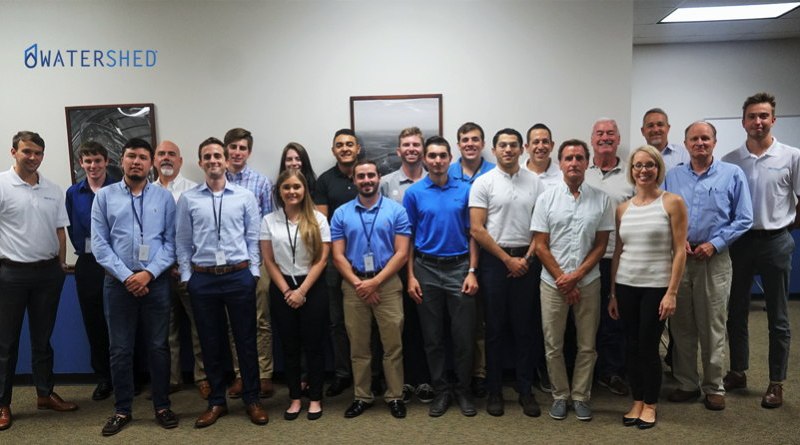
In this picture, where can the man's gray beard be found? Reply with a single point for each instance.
(166, 170)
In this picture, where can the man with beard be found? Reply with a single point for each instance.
(133, 237)
(168, 163)
(370, 244)
(334, 188)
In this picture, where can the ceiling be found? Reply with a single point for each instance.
(647, 30)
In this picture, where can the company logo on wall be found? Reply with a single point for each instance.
(89, 58)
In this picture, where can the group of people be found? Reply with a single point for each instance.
(579, 261)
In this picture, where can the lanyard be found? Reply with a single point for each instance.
(139, 220)
(217, 219)
(374, 223)
(292, 243)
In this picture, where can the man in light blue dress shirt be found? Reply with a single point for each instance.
(720, 211)
(218, 261)
(133, 238)
(655, 129)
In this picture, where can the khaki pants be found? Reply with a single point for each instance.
(554, 320)
(263, 330)
(388, 314)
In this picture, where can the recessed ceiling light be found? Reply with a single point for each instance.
(720, 13)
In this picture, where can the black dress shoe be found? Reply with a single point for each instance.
(338, 386)
(397, 408)
(529, 406)
(167, 419)
(357, 408)
(494, 406)
(440, 404)
(466, 404)
(114, 424)
(102, 391)
(629, 421)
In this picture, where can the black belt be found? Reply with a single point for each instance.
(516, 251)
(221, 270)
(367, 275)
(440, 259)
(761, 233)
(34, 265)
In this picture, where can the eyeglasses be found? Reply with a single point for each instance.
(647, 165)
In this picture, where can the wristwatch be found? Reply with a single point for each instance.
(472, 270)
(529, 258)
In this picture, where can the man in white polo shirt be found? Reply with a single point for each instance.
(32, 253)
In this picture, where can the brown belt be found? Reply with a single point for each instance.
(34, 265)
(221, 270)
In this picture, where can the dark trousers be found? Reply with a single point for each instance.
(611, 333)
(638, 308)
(442, 297)
(89, 278)
(36, 291)
(771, 257)
(415, 362)
(125, 313)
(215, 300)
(302, 331)
(510, 302)
(341, 344)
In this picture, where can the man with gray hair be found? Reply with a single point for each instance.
(655, 129)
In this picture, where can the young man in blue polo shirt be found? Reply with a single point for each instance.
(370, 245)
(441, 274)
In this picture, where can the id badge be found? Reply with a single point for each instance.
(220, 258)
(144, 252)
(87, 245)
(369, 262)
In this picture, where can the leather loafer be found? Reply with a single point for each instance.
(679, 396)
(397, 408)
(257, 414)
(167, 419)
(210, 416)
(5, 418)
(102, 391)
(338, 386)
(734, 380)
(235, 390)
(266, 390)
(714, 402)
(115, 423)
(54, 402)
(629, 421)
(357, 408)
(773, 398)
(204, 388)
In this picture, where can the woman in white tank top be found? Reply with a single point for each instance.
(646, 270)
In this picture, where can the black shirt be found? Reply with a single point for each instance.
(334, 188)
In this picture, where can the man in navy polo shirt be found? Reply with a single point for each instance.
(370, 244)
(441, 276)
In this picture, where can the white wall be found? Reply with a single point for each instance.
(712, 80)
(285, 69)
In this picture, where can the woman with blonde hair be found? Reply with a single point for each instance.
(295, 242)
(646, 271)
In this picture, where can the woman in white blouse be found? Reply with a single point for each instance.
(295, 242)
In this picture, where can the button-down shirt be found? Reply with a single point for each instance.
(257, 183)
(774, 182)
(675, 154)
(177, 186)
(613, 183)
(293, 261)
(385, 219)
(455, 171)
(718, 200)
(117, 236)
(29, 218)
(334, 188)
(79, 209)
(395, 184)
(439, 216)
(208, 223)
(509, 201)
(572, 224)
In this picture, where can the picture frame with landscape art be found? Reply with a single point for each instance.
(110, 125)
(378, 120)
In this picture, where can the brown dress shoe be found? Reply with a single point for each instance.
(5, 418)
(54, 402)
(266, 389)
(210, 416)
(734, 380)
(679, 396)
(257, 414)
(204, 388)
(235, 391)
(714, 402)
(773, 398)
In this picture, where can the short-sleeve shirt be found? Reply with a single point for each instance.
(439, 216)
(613, 183)
(333, 189)
(551, 177)
(572, 224)
(177, 186)
(455, 171)
(509, 201)
(275, 228)
(395, 184)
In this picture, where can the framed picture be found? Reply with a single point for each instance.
(377, 120)
(110, 125)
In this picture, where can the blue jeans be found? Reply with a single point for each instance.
(124, 312)
(212, 297)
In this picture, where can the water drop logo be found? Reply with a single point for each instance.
(30, 55)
